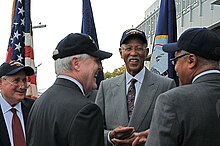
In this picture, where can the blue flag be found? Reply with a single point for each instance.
(166, 32)
(88, 27)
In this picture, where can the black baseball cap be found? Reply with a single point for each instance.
(199, 41)
(133, 32)
(78, 43)
(12, 67)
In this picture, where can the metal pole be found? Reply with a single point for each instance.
(39, 26)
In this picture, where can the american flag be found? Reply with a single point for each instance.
(20, 46)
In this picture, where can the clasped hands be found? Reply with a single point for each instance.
(126, 136)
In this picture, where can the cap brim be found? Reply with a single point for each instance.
(133, 35)
(171, 47)
(28, 70)
(100, 54)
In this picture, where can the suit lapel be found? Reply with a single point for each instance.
(4, 137)
(119, 100)
(144, 100)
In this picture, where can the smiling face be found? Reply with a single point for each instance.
(10, 91)
(89, 69)
(134, 53)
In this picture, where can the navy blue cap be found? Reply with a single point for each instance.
(133, 32)
(78, 43)
(199, 41)
(12, 67)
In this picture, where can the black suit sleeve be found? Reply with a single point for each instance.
(87, 127)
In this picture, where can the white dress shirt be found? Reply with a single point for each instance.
(73, 80)
(7, 114)
(139, 77)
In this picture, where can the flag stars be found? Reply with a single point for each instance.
(16, 34)
(21, 11)
(19, 58)
(20, 1)
(22, 21)
(12, 40)
(18, 47)
(15, 23)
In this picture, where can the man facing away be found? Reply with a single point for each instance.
(14, 107)
(127, 101)
(186, 115)
(63, 115)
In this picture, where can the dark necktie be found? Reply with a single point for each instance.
(131, 97)
(18, 135)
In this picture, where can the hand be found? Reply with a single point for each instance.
(122, 135)
(140, 138)
(121, 132)
(123, 142)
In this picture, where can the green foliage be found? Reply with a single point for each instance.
(116, 72)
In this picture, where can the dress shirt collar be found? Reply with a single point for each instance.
(6, 106)
(73, 80)
(138, 77)
(204, 73)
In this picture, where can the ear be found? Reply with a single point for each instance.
(146, 53)
(192, 61)
(75, 63)
(120, 51)
(0, 83)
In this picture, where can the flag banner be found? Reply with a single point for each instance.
(166, 32)
(88, 27)
(20, 46)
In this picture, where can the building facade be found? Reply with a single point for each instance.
(189, 13)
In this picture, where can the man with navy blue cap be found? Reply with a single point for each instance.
(13, 86)
(186, 115)
(63, 116)
(127, 101)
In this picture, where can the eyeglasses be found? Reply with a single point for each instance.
(16, 83)
(174, 60)
(138, 49)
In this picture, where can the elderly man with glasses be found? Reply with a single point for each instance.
(187, 115)
(14, 107)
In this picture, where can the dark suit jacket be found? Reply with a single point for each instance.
(218, 108)
(4, 138)
(111, 98)
(92, 95)
(186, 115)
(62, 116)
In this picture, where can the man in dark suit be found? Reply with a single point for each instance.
(13, 87)
(218, 108)
(124, 124)
(186, 115)
(63, 115)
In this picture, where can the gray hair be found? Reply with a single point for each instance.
(207, 62)
(65, 64)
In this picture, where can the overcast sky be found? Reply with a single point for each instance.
(111, 17)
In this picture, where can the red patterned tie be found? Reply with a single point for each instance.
(18, 135)
(131, 97)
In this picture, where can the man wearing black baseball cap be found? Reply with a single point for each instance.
(124, 98)
(187, 115)
(63, 113)
(13, 86)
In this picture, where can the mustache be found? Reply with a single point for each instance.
(133, 58)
